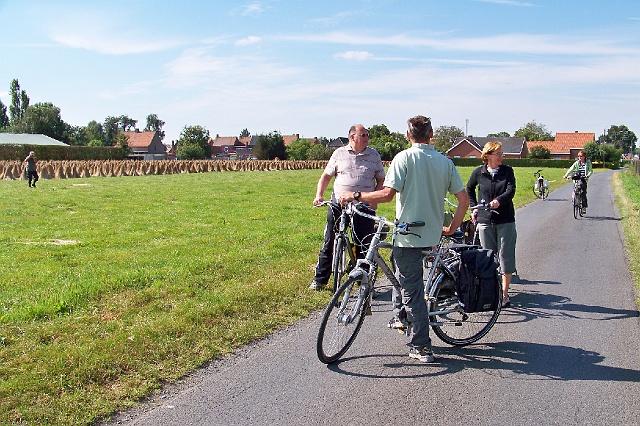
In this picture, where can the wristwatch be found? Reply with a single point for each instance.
(356, 195)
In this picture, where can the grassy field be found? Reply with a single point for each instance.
(113, 286)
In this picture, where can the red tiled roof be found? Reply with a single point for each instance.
(564, 142)
(140, 139)
(224, 140)
(289, 138)
(575, 139)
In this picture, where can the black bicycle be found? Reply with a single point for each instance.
(578, 188)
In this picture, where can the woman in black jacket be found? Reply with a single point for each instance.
(496, 185)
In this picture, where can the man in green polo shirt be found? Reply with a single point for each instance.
(421, 177)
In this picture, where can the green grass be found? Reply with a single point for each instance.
(113, 286)
(627, 190)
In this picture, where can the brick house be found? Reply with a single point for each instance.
(471, 147)
(566, 146)
(146, 145)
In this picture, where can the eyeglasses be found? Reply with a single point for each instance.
(363, 135)
(499, 154)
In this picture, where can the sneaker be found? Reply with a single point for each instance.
(423, 355)
(396, 324)
(315, 285)
(506, 302)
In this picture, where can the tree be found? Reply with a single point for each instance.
(607, 152)
(539, 151)
(378, 131)
(154, 124)
(444, 136)
(4, 118)
(298, 149)
(389, 145)
(110, 127)
(622, 138)
(245, 133)
(42, 118)
(319, 152)
(94, 131)
(534, 132)
(122, 141)
(194, 143)
(499, 135)
(113, 125)
(270, 146)
(127, 123)
(19, 102)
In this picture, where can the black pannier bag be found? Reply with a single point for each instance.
(478, 286)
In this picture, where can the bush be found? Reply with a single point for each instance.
(60, 153)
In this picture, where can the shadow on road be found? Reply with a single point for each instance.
(602, 218)
(519, 360)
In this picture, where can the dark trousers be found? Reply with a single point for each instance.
(32, 175)
(583, 186)
(363, 230)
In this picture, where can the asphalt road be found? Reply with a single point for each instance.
(566, 353)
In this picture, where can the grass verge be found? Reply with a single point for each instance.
(626, 186)
(113, 286)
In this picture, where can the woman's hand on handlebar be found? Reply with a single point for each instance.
(318, 200)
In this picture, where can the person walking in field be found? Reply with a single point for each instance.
(32, 174)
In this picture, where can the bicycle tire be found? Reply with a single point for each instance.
(536, 191)
(576, 204)
(336, 335)
(339, 261)
(458, 328)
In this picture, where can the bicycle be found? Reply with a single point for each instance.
(344, 250)
(576, 196)
(451, 323)
(345, 313)
(540, 186)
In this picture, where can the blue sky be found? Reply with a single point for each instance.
(316, 68)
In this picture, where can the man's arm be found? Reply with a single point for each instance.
(323, 183)
(383, 195)
(461, 211)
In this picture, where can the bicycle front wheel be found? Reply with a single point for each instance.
(576, 205)
(342, 320)
(340, 261)
(449, 321)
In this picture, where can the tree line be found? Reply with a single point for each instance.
(194, 141)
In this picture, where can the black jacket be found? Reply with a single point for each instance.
(501, 187)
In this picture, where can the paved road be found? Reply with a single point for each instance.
(566, 353)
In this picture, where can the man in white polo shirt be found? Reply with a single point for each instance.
(356, 167)
(421, 177)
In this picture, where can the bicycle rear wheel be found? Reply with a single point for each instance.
(342, 320)
(545, 192)
(452, 325)
(536, 191)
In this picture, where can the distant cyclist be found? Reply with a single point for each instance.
(584, 167)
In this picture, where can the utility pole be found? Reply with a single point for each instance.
(466, 128)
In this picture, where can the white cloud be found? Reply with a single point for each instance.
(506, 43)
(254, 8)
(248, 40)
(356, 55)
(109, 40)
